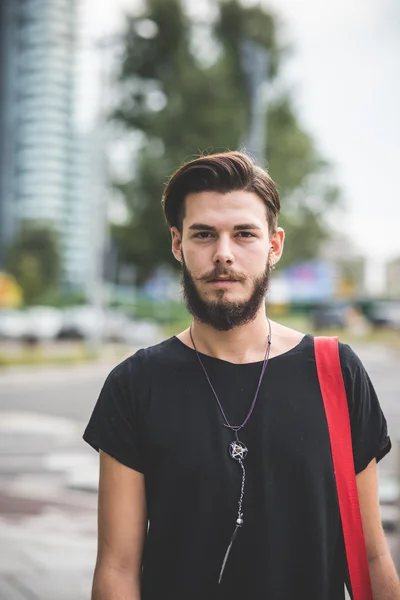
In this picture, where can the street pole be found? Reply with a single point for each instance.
(98, 291)
(254, 60)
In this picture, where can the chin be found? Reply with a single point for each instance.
(225, 296)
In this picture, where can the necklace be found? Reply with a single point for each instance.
(237, 449)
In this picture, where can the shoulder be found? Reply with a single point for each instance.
(137, 363)
(350, 361)
(359, 388)
(132, 377)
(353, 370)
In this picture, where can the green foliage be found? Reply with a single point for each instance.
(187, 98)
(304, 181)
(58, 298)
(34, 260)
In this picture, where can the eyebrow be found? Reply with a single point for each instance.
(203, 227)
(246, 226)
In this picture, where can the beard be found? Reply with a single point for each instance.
(222, 314)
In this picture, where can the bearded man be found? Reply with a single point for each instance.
(216, 475)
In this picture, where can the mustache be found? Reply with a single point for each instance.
(221, 272)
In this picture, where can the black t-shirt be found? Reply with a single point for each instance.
(156, 414)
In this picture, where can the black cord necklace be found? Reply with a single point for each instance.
(237, 449)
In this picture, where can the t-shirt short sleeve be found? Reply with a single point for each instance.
(114, 426)
(368, 424)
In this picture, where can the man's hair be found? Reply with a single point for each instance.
(223, 172)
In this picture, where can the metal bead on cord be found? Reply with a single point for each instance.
(237, 448)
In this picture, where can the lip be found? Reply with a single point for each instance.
(223, 282)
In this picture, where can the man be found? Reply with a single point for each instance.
(216, 477)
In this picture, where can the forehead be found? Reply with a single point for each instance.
(218, 210)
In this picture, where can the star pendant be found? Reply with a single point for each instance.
(238, 450)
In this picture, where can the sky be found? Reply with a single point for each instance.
(344, 72)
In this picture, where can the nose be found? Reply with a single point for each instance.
(223, 252)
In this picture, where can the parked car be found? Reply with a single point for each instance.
(329, 316)
(13, 324)
(82, 322)
(87, 322)
(43, 323)
(385, 313)
(33, 324)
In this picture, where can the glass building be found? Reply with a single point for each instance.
(40, 161)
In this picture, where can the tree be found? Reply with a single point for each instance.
(33, 259)
(182, 87)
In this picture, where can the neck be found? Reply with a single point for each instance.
(239, 345)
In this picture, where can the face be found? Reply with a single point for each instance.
(225, 248)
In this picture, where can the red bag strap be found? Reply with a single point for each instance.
(337, 415)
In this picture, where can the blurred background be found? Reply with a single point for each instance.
(99, 104)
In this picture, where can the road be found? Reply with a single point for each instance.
(48, 475)
(68, 392)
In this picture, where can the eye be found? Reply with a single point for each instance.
(245, 234)
(203, 235)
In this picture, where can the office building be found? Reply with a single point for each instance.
(40, 157)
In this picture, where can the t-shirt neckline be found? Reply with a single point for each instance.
(258, 362)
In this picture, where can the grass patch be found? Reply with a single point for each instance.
(37, 358)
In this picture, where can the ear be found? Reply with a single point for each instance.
(176, 243)
(277, 242)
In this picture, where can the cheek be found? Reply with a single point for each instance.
(197, 253)
(255, 258)
(197, 262)
(191, 257)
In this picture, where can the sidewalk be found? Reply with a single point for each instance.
(47, 521)
(46, 556)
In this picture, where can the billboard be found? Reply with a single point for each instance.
(310, 281)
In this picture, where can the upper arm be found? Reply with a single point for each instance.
(122, 517)
(369, 432)
(367, 486)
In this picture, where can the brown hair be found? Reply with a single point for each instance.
(223, 172)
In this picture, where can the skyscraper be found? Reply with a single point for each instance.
(39, 157)
(7, 70)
